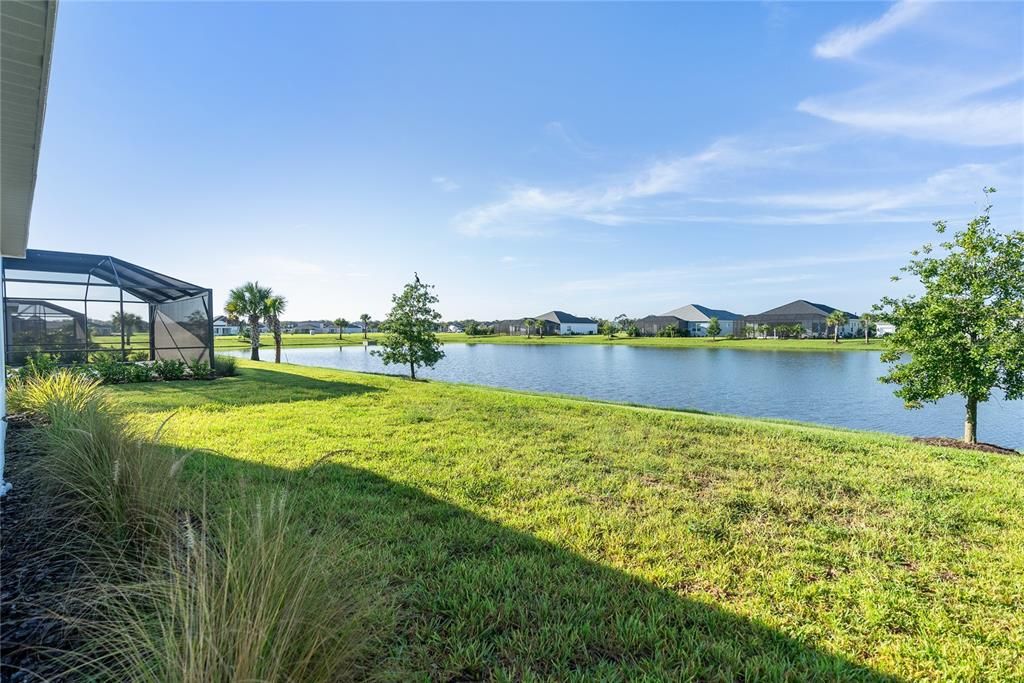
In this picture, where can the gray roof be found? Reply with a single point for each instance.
(563, 317)
(702, 314)
(661, 319)
(804, 307)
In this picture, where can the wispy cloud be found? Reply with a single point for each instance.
(526, 210)
(846, 41)
(756, 272)
(445, 183)
(949, 95)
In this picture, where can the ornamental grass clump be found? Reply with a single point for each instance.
(243, 599)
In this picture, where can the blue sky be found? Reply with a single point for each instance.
(594, 158)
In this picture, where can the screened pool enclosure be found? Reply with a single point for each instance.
(74, 306)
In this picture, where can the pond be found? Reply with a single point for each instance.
(832, 388)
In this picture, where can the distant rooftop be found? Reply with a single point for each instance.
(563, 317)
(702, 314)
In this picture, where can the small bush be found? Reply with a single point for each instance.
(200, 369)
(225, 366)
(109, 368)
(170, 369)
(37, 365)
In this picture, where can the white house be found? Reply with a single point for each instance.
(28, 44)
(222, 327)
(560, 322)
(697, 319)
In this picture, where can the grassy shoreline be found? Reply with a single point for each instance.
(656, 342)
(530, 536)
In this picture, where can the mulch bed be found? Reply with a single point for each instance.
(946, 442)
(34, 575)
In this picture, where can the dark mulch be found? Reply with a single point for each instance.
(946, 442)
(35, 575)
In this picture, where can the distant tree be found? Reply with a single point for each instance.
(714, 328)
(763, 329)
(668, 331)
(126, 324)
(540, 327)
(250, 302)
(796, 330)
(529, 323)
(965, 334)
(470, 328)
(274, 310)
(622, 321)
(365, 319)
(341, 324)
(409, 337)
(867, 323)
(837, 319)
(607, 328)
(633, 330)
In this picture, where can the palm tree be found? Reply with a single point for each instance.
(529, 323)
(275, 307)
(340, 324)
(250, 301)
(866, 321)
(836, 319)
(365, 319)
(763, 329)
(126, 323)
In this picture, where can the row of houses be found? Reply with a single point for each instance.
(224, 327)
(693, 320)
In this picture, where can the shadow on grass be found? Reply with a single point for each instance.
(480, 601)
(262, 386)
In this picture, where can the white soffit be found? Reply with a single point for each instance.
(26, 44)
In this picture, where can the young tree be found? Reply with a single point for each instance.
(867, 321)
(275, 308)
(836, 319)
(965, 334)
(250, 301)
(714, 328)
(607, 328)
(763, 329)
(341, 324)
(409, 337)
(365, 319)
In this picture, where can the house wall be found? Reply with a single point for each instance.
(577, 328)
(701, 329)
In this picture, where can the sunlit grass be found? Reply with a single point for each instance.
(532, 537)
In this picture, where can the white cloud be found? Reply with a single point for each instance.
(979, 124)
(645, 280)
(942, 90)
(445, 183)
(622, 200)
(846, 41)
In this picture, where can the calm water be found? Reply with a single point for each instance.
(833, 388)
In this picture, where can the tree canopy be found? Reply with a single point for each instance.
(409, 337)
(965, 334)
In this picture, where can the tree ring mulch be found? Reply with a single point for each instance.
(946, 442)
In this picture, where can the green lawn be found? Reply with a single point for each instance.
(526, 537)
(670, 342)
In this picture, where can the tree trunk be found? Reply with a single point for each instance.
(836, 338)
(867, 331)
(971, 421)
(254, 337)
(277, 342)
(412, 370)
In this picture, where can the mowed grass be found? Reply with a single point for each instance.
(525, 537)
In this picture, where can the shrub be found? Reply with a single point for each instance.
(109, 368)
(64, 390)
(225, 366)
(200, 369)
(169, 369)
(37, 365)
